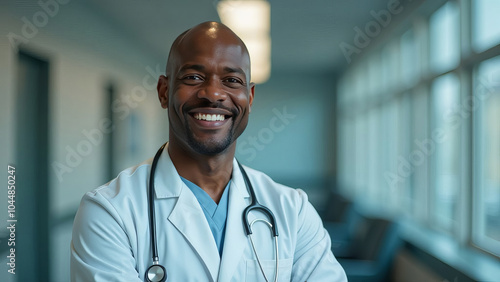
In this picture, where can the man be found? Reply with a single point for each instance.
(200, 191)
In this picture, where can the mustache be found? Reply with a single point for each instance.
(208, 104)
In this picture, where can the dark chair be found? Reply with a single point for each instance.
(339, 217)
(369, 254)
(336, 208)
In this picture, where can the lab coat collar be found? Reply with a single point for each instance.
(168, 182)
(187, 216)
(238, 181)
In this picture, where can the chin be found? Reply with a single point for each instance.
(210, 148)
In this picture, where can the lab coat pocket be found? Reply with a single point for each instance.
(253, 272)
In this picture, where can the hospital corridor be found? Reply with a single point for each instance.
(384, 113)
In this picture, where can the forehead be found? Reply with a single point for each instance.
(221, 49)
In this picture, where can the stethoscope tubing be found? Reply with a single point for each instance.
(152, 221)
(255, 205)
(255, 251)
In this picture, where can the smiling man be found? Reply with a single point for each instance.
(199, 193)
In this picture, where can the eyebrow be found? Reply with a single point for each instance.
(192, 67)
(202, 68)
(235, 70)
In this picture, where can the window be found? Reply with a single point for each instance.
(444, 145)
(486, 101)
(423, 122)
(417, 159)
(403, 176)
(444, 38)
(375, 75)
(389, 153)
(361, 154)
(372, 152)
(409, 58)
(390, 69)
(485, 24)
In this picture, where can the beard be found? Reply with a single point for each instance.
(211, 146)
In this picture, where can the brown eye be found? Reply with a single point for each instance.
(192, 79)
(233, 82)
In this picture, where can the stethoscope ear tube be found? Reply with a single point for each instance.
(254, 205)
(156, 272)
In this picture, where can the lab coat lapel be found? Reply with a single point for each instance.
(187, 215)
(235, 240)
(189, 219)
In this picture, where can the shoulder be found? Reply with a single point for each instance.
(121, 195)
(117, 205)
(129, 181)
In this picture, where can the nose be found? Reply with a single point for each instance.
(212, 91)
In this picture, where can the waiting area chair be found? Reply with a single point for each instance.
(364, 245)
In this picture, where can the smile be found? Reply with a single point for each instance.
(209, 117)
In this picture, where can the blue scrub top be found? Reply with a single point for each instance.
(216, 215)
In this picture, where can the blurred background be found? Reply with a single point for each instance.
(387, 113)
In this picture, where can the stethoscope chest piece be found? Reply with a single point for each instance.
(156, 273)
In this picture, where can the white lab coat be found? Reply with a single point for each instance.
(111, 234)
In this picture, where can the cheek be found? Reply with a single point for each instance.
(243, 101)
(177, 100)
(243, 104)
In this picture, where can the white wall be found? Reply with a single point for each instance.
(85, 53)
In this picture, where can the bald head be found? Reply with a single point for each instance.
(207, 35)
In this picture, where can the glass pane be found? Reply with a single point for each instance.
(390, 70)
(359, 86)
(485, 24)
(444, 38)
(417, 160)
(487, 154)
(409, 58)
(346, 134)
(372, 143)
(350, 153)
(404, 147)
(360, 154)
(389, 152)
(363, 157)
(374, 74)
(445, 140)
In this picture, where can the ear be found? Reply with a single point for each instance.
(162, 88)
(251, 95)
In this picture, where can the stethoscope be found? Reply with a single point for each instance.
(157, 272)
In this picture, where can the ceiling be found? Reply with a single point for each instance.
(305, 34)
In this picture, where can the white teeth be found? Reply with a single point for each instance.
(209, 117)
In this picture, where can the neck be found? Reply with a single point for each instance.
(211, 173)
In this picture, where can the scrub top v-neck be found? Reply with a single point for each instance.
(216, 214)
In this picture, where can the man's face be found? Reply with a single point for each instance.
(209, 92)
